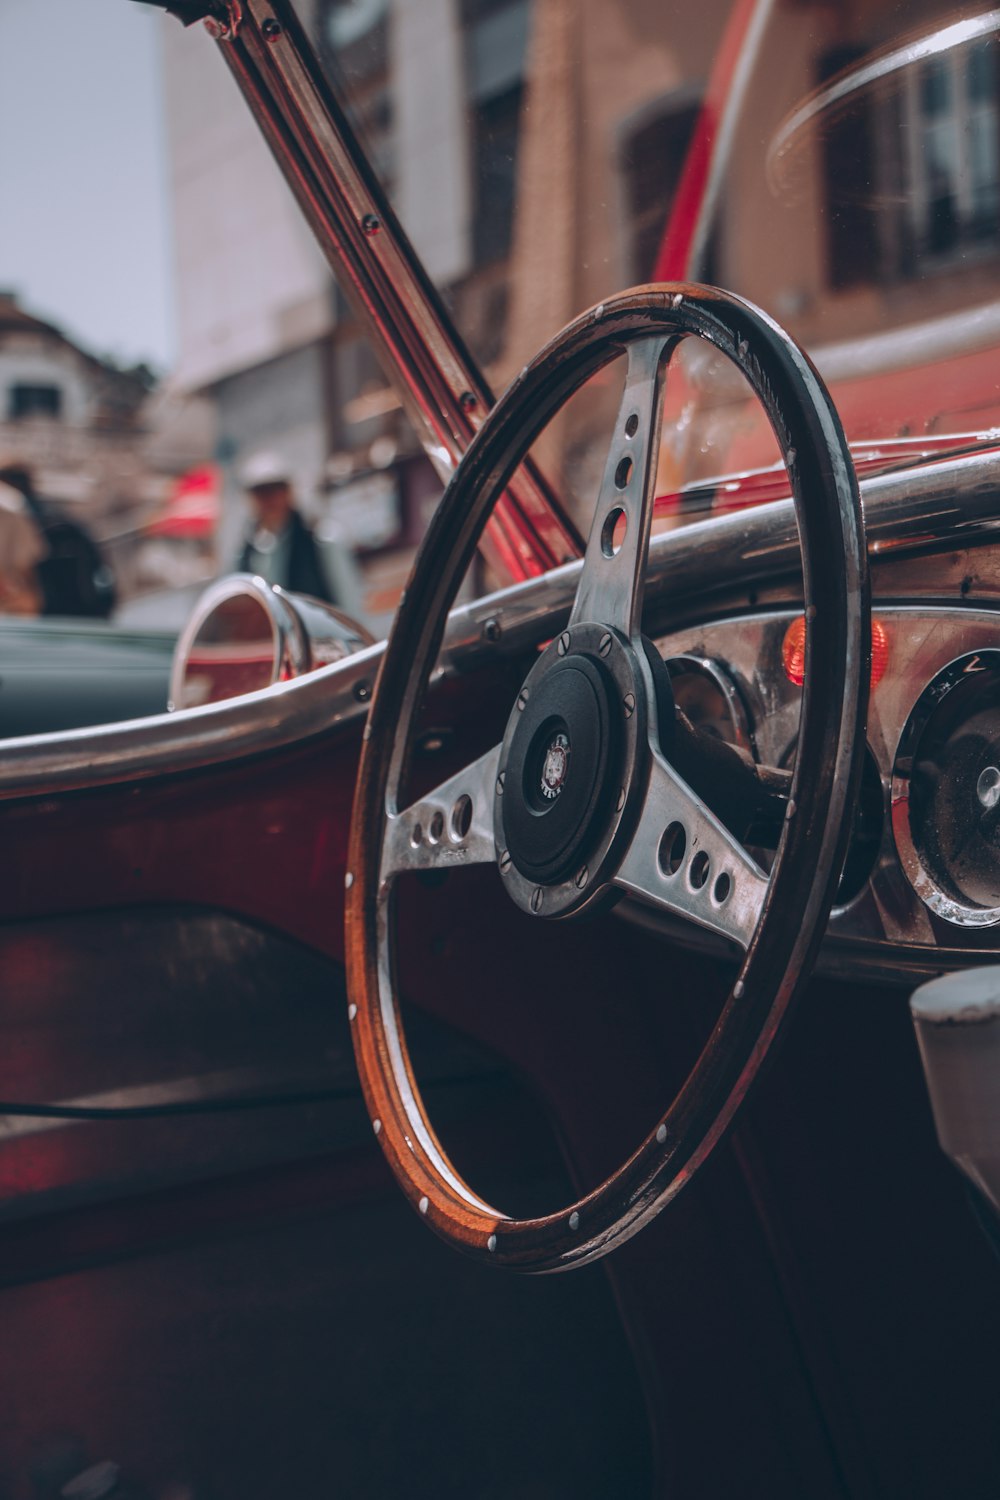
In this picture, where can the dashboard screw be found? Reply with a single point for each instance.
(505, 862)
(629, 705)
(492, 629)
(604, 645)
(371, 224)
(581, 879)
(563, 645)
(362, 691)
(271, 28)
(467, 401)
(621, 800)
(536, 898)
(522, 700)
(500, 781)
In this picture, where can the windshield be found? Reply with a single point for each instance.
(543, 154)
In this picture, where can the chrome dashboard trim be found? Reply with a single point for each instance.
(889, 925)
(950, 503)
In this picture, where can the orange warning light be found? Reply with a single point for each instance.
(793, 651)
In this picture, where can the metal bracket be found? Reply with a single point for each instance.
(224, 20)
(222, 17)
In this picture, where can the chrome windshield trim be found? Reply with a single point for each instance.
(954, 501)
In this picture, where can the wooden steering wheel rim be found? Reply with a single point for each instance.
(814, 841)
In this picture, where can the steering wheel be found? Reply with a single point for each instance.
(581, 801)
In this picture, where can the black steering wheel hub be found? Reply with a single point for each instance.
(568, 763)
(565, 742)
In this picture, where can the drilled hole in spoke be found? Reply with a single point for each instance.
(436, 828)
(613, 532)
(699, 869)
(623, 473)
(671, 851)
(461, 818)
(416, 836)
(632, 425)
(721, 889)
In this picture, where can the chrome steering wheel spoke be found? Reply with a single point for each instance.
(684, 861)
(614, 565)
(448, 827)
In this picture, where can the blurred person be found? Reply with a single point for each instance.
(71, 574)
(281, 548)
(22, 548)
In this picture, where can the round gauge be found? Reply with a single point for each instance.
(708, 699)
(946, 792)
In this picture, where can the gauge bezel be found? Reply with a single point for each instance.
(940, 901)
(705, 667)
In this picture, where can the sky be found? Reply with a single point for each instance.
(84, 227)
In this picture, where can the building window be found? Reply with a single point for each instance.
(652, 159)
(496, 39)
(847, 143)
(356, 31)
(34, 401)
(952, 129)
(495, 156)
(913, 170)
(352, 38)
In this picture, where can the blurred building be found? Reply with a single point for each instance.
(502, 184)
(74, 420)
(106, 447)
(532, 149)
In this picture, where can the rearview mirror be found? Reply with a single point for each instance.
(246, 634)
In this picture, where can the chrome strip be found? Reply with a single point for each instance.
(914, 344)
(722, 149)
(954, 502)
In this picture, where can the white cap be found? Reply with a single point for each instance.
(265, 467)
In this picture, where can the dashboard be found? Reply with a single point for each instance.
(923, 874)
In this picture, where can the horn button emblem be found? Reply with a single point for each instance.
(555, 766)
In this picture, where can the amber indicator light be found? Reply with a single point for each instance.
(793, 651)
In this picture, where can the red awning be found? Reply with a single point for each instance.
(193, 508)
